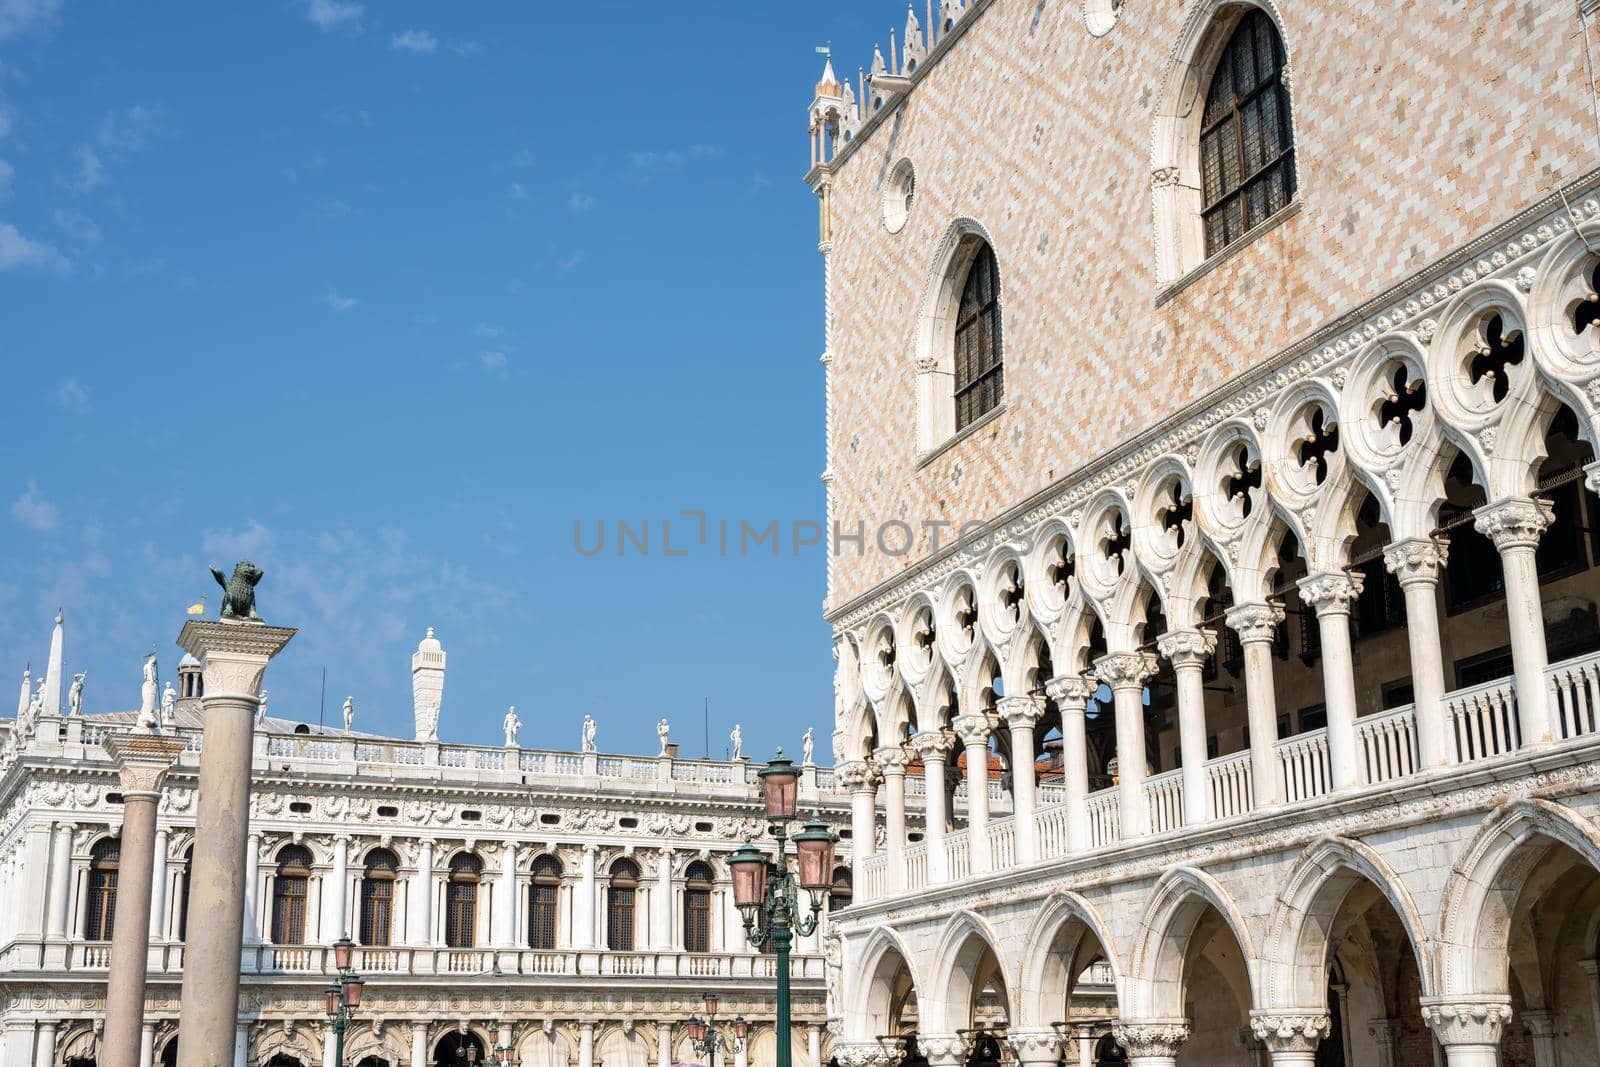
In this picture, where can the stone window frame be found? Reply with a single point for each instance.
(934, 362)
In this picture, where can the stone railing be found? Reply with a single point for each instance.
(1228, 785)
(1388, 745)
(1483, 720)
(1163, 801)
(1303, 762)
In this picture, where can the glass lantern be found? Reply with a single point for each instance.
(780, 780)
(352, 991)
(815, 846)
(342, 951)
(749, 866)
(331, 998)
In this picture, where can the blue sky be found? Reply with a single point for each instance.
(386, 298)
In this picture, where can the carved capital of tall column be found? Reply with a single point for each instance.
(932, 746)
(866, 1054)
(944, 1050)
(891, 760)
(233, 655)
(1290, 1032)
(1256, 622)
(1517, 522)
(1186, 648)
(973, 729)
(1330, 592)
(1071, 690)
(143, 760)
(1035, 1046)
(1126, 670)
(1152, 1038)
(1542, 1024)
(1467, 1021)
(857, 775)
(1416, 559)
(1021, 712)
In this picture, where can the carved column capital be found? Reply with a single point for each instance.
(1542, 1023)
(1467, 1021)
(944, 1050)
(891, 759)
(1035, 1046)
(1152, 1038)
(1126, 670)
(1255, 622)
(1021, 712)
(1517, 522)
(1290, 1031)
(1071, 690)
(857, 776)
(142, 760)
(932, 746)
(864, 1054)
(972, 729)
(1330, 592)
(1416, 559)
(1186, 648)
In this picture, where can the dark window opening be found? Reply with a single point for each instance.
(979, 368)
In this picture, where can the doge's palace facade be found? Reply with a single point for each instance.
(572, 906)
(1211, 462)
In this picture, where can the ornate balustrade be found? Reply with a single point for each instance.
(1228, 785)
(1163, 801)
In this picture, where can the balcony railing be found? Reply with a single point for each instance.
(1482, 720)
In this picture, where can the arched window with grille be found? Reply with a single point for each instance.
(290, 888)
(1246, 138)
(621, 898)
(979, 366)
(102, 911)
(544, 899)
(697, 882)
(377, 897)
(461, 901)
(841, 891)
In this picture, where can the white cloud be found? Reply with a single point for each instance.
(6, 115)
(330, 15)
(494, 361)
(7, 172)
(18, 17)
(81, 228)
(247, 543)
(91, 172)
(518, 191)
(34, 511)
(419, 42)
(580, 203)
(569, 262)
(73, 397)
(338, 302)
(333, 209)
(466, 48)
(486, 330)
(130, 130)
(19, 251)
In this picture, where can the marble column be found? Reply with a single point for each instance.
(860, 778)
(333, 910)
(1085, 1046)
(1187, 651)
(1022, 714)
(974, 730)
(661, 934)
(1330, 594)
(814, 1045)
(142, 763)
(892, 761)
(233, 656)
(933, 749)
(1257, 625)
(1385, 1034)
(1544, 1029)
(1126, 674)
(422, 896)
(1416, 564)
(505, 899)
(419, 1045)
(583, 908)
(1515, 526)
(33, 875)
(1041, 1047)
(241, 1045)
(1291, 1038)
(158, 888)
(741, 1054)
(1591, 970)
(944, 1050)
(147, 1045)
(663, 1044)
(1071, 694)
(1469, 1028)
(252, 888)
(586, 1045)
(60, 879)
(45, 1052)
(1152, 1044)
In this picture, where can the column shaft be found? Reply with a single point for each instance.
(333, 921)
(1515, 526)
(1416, 563)
(584, 910)
(1126, 673)
(158, 888)
(419, 1045)
(422, 899)
(46, 1053)
(252, 888)
(505, 903)
(974, 733)
(1021, 713)
(935, 815)
(60, 879)
(892, 762)
(1187, 650)
(661, 932)
(1257, 624)
(1339, 696)
(1071, 695)
(586, 1045)
(130, 944)
(147, 1045)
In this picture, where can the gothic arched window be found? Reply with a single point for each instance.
(377, 897)
(697, 880)
(289, 890)
(979, 368)
(461, 901)
(103, 862)
(620, 899)
(1246, 137)
(544, 897)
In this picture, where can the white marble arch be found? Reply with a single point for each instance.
(544, 1048)
(619, 1046)
(1480, 897)
(1294, 960)
(1057, 946)
(366, 1041)
(882, 958)
(284, 1041)
(1154, 987)
(947, 1009)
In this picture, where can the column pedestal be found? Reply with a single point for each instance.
(233, 656)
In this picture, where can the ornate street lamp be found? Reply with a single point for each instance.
(707, 1039)
(342, 997)
(765, 888)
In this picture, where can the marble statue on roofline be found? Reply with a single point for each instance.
(589, 729)
(662, 730)
(148, 692)
(349, 712)
(737, 737)
(169, 704)
(511, 725)
(75, 694)
(806, 747)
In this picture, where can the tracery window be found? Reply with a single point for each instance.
(289, 891)
(979, 367)
(697, 880)
(103, 863)
(620, 901)
(377, 897)
(543, 900)
(1246, 139)
(461, 901)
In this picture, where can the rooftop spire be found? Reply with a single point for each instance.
(52, 676)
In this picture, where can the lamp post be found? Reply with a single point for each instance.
(343, 996)
(765, 889)
(707, 1039)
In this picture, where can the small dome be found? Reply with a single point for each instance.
(429, 643)
(188, 661)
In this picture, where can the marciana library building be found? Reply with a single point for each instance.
(1211, 392)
